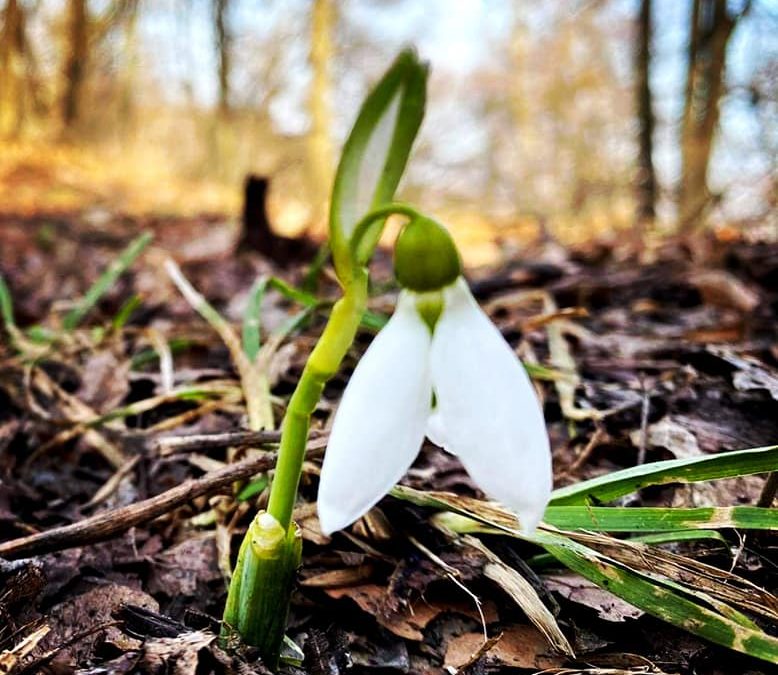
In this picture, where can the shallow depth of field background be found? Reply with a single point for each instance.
(533, 126)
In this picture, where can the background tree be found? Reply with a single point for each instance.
(224, 41)
(646, 178)
(17, 76)
(75, 62)
(321, 153)
(84, 34)
(711, 27)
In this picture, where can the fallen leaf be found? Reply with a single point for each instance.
(90, 610)
(750, 374)
(520, 647)
(182, 568)
(411, 621)
(669, 434)
(584, 592)
(105, 381)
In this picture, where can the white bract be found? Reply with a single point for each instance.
(484, 410)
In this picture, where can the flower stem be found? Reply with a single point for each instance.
(258, 597)
(322, 364)
(381, 213)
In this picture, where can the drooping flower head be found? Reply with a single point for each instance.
(440, 369)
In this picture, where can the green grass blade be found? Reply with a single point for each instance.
(125, 312)
(709, 467)
(658, 538)
(664, 603)
(105, 281)
(662, 597)
(7, 307)
(657, 519)
(24, 344)
(291, 293)
(314, 270)
(251, 328)
(253, 488)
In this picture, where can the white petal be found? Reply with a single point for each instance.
(379, 425)
(487, 409)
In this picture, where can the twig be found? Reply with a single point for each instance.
(598, 437)
(644, 410)
(110, 523)
(112, 484)
(237, 439)
(486, 646)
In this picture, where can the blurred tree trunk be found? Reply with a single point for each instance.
(320, 148)
(129, 73)
(711, 28)
(75, 62)
(11, 66)
(646, 182)
(223, 52)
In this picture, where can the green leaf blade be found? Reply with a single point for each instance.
(689, 470)
(659, 519)
(107, 279)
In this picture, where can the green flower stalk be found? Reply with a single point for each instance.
(370, 168)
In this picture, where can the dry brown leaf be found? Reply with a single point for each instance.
(105, 382)
(409, 624)
(584, 592)
(88, 610)
(520, 647)
(181, 569)
(371, 598)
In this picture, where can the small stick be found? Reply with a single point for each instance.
(229, 439)
(644, 410)
(110, 523)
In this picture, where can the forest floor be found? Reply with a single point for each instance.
(111, 562)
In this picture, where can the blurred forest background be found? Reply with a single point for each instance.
(560, 119)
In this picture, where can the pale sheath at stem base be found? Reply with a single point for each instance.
(258, 599)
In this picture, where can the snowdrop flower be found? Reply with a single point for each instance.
(439, 368)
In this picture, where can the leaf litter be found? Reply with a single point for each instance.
(634, 362)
